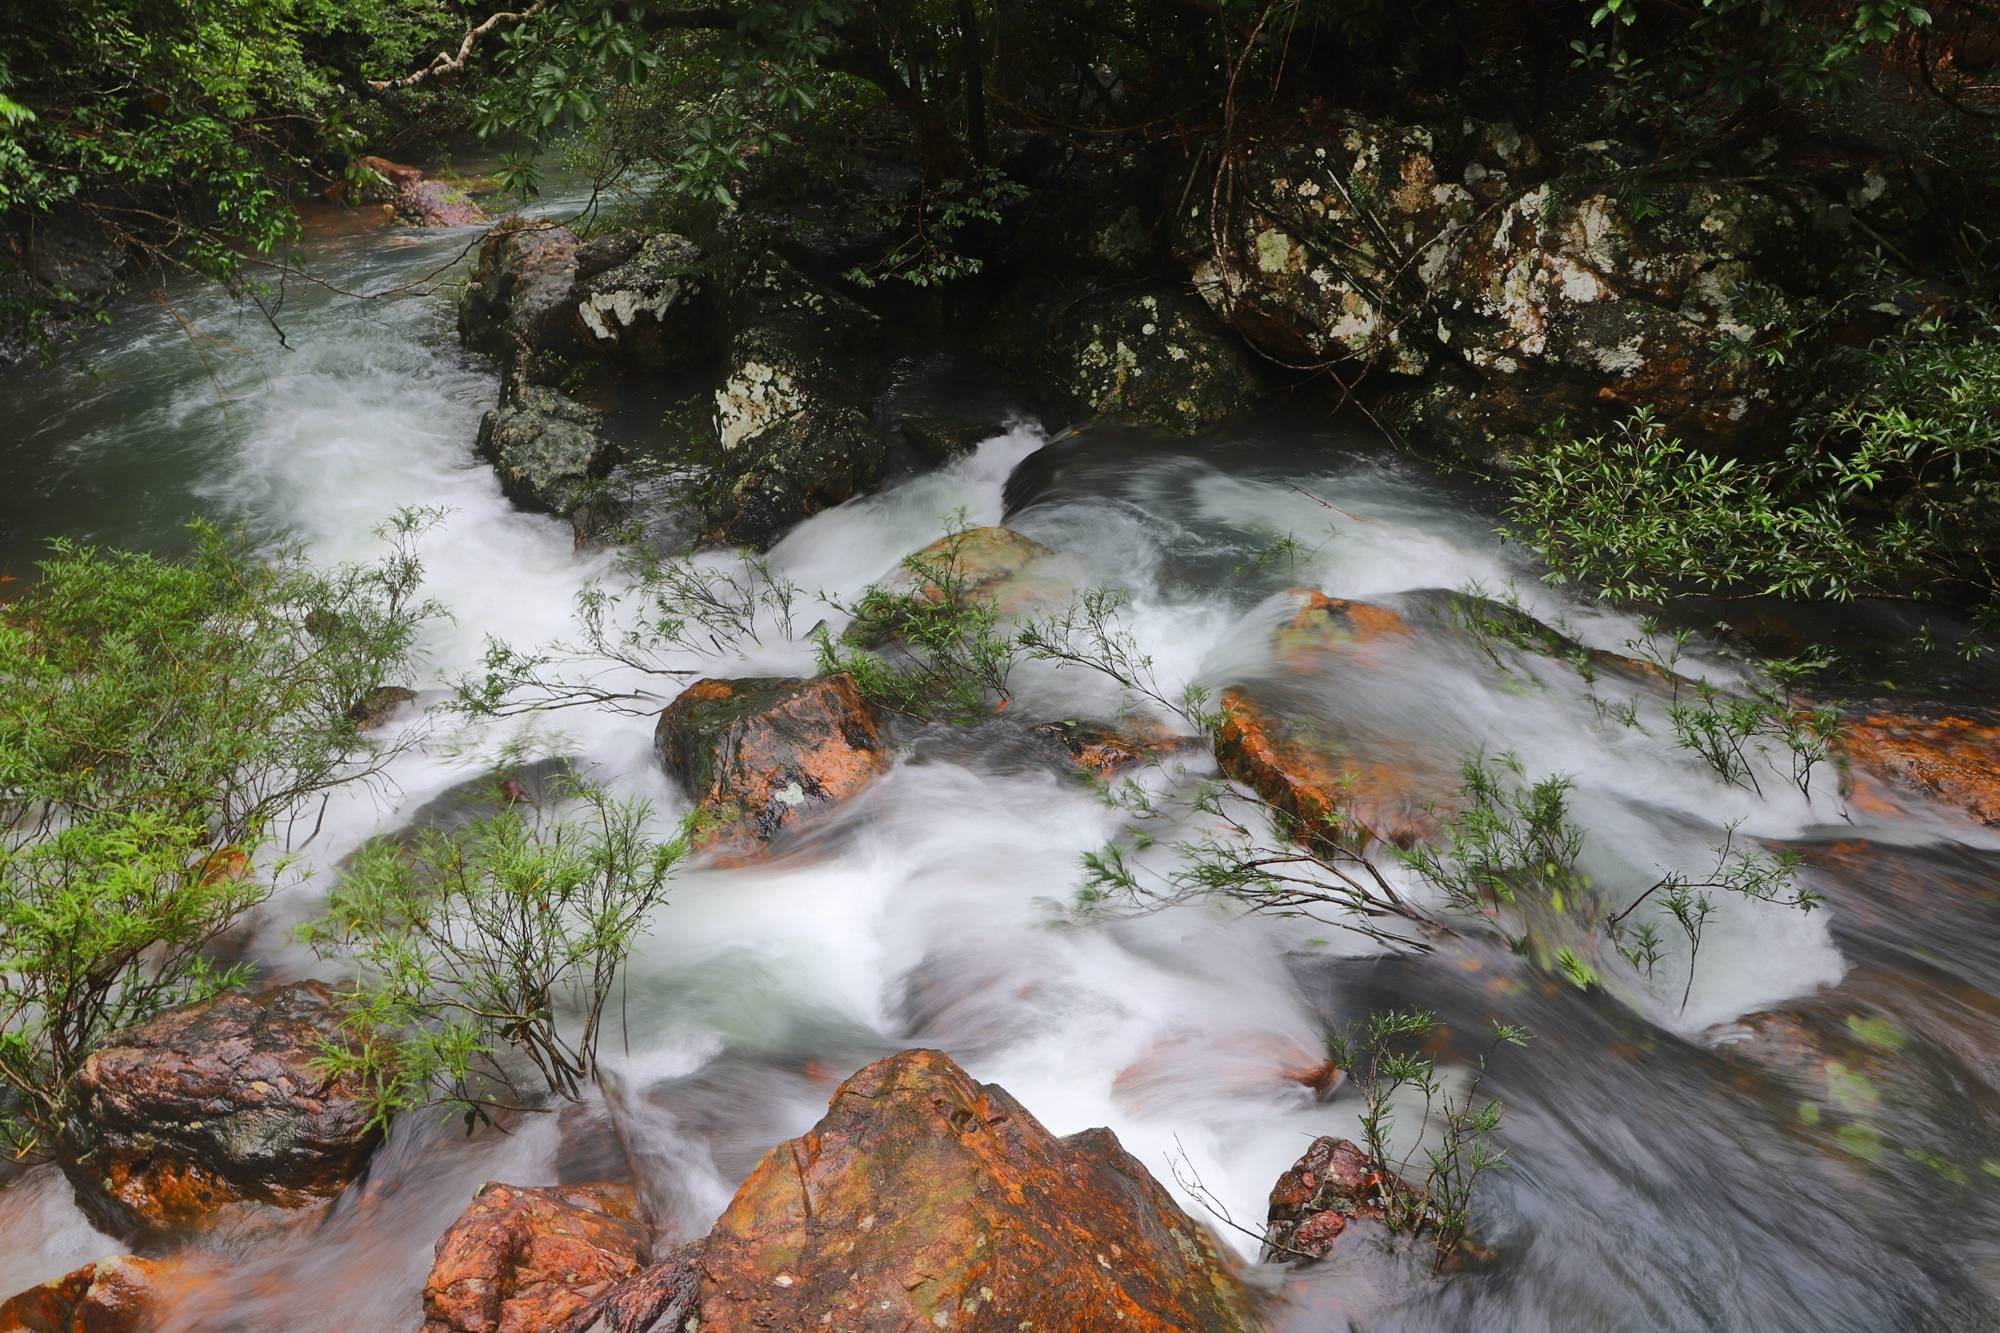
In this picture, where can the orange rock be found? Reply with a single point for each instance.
(1016, 573)
(524, 1260)
(1337, 798)
(1324, 624)
(122, 1295)
(761, 755)
(1954, 760)
(1100, 751)
(923, 1199)
(1323, 1193)
(1191, 1063)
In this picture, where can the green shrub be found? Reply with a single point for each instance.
(485, 949)
(167, 722)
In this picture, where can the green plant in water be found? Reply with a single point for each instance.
(492, 950)
(168, 723)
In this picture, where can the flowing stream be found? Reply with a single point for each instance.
(1656, 1180)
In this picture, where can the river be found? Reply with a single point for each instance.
(1655, 1179)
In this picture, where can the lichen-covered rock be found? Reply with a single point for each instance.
(1325, 1191)
(794, 424)
(518, 305)
(1598, 304)
(528, 1260)
(221, 1104)
(644, 312)
(1336, 230)
(547, 449)
(416, 199)
(760, 756)
(379, 705)
(1156, 357)
(129, 1294)
(1949, 759)
(925, 1200)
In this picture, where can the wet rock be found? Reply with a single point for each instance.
(794, 417)
(1332, 792)
(1014, 573)
(658, 1300)
(923, 1199)
(1190, 1065)
(1156, 357)
(644, 312)
(762, 755)
(1593, 307)
(1953, 760)
(210, 1107)
(128, 1294)
(376, 707)
(547, 449)
(517, 305)
(415, 199)
(1101, 750)
(524, 1259)
(64, 262)
(1338, 230)
(1325, 1192)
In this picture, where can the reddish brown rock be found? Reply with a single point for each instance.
(1184, 1065)
(1333, 796)
(1325, 1191)
(1326, 625)
(656, 1300)
(122, 1295)
(1953, 760)
(925, 1200)
(529, 1260)
(762, 755)
(221, 1104)
(416, 200)
(1099, 750)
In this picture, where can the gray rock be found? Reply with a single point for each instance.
(546, 448)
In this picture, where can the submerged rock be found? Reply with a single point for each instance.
(1013, 572)
(923, 1199)
(375, 708)
(761, 756)
(128, 1294)
(1952, 760)
(524, 1259)
(1100, 750)
(214, 1106)
(547, 449)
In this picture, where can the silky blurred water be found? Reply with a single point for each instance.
(1654, 1180)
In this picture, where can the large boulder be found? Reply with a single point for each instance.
(129, 1294)
(518, 305)
(547, 448)
(794, 428)
(645, 311)
(1338, 226)
(923, 1199)
(760, 756)
(1156, 357)
(525, 1260)
(211, 1109)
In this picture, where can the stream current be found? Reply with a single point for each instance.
(1655, 1180)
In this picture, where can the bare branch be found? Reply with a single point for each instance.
(446, 63)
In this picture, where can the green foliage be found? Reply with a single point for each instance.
(166, 723)
(934, 252)
(483, 948)
(1511, 839)
(1384, 1059)
(940, 646)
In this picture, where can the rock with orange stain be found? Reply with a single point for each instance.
(1099, 750)
(1324, 626)
(520, 1260)
(1323, 1193)
(923, 1199)
(213, 1107)
(122, 1295)
(763, 755)
(1953, 760)
(1333, 796)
